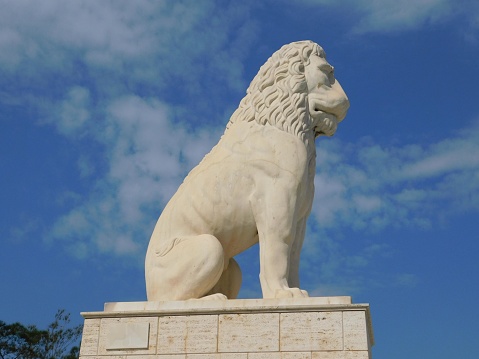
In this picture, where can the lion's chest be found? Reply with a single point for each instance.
(274, 160)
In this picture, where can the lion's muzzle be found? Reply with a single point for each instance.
(329, 99)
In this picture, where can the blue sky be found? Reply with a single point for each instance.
(106, 106)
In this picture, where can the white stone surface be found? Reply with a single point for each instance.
(355, 331)
(302, 328)
(256, 184)
(128, 336)
(90, 337)
(341, 355)
(188, 334)
(218, 356)
(109, 357)
(280, 355)
(234, 305)
(248, 332)
(108, 325)
(161, 356)
(311, 331)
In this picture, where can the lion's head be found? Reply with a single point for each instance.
(295, 90)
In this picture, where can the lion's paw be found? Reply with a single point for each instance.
(291, 293)
(216, 296)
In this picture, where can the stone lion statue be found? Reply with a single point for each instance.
(256, 185)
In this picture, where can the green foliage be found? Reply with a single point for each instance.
(28, 342)
(18, 341)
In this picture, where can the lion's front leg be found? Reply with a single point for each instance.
(275, 266)
(295, 252)
(274, 214)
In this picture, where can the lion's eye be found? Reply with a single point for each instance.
(326, 68)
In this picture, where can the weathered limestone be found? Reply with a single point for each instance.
(299, 328)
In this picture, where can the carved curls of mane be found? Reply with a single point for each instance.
(278, 94)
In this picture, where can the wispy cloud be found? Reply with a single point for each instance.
(390, 15)
(124, 47)
(148, 158)
(73, 112)
(102, 33)
(136, 79)
(367, 189)
(369, 186)
(382, 16)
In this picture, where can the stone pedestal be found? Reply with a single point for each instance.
(306, 328)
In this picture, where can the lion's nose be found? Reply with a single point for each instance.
(341, 103)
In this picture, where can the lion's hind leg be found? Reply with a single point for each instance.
(188, 270)
(229, 283)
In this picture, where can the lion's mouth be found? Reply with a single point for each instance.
(326, 113)
(324, 124)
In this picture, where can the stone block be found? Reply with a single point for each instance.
(340, 355)
(166, 356)
(188, 334)
(90, 336)
(280, 355)
(311, 331)
(248, 332)
(355, 330)
(218, 356)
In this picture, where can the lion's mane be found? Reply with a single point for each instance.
(278, 93)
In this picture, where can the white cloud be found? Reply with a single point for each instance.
(100, 29)
(146, 165)
(393, 15)
(367, 204)
(9, 39)
(142, 41)
(74, 111)
(100, 71)
(367, 186)
(447, 156)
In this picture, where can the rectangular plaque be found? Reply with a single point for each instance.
(127, 336)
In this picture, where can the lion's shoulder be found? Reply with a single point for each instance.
(251, 138)
(252, 144)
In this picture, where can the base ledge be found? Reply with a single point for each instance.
(225, 305)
